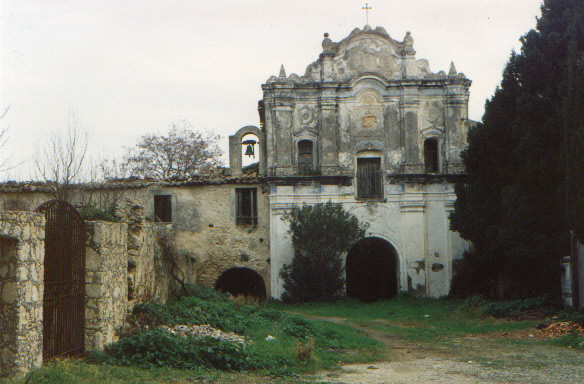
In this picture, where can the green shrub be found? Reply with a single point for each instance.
(298, 327)
(271, 314)
(516, 307)
(320, 234)
(205, 293)
(158, 347)
(92, 213)
(193, 310)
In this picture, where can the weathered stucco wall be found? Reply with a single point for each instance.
(21, 286)
(208, 240)
(412, 218)
(106, 287)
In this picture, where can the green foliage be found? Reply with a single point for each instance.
(158, 347)
(514, 308)
(193, 310)
(92, 213)
(524, 170)
(320, 234)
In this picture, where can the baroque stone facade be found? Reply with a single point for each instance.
(21, 291)
(373, 128)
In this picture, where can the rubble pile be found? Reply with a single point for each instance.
(205, 330)
(560, 328)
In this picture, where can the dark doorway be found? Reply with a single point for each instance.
(64, 296)
(242, 282)
(372, 266)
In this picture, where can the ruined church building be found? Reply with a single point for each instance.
(373, 128)
(368, 126)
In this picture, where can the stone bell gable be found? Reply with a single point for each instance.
(366, 92)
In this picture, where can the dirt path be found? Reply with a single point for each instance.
(464, 361)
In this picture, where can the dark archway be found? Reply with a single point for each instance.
(242, 281)
(372, 270)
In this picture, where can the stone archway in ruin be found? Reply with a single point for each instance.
(242, 282)
(372, 270)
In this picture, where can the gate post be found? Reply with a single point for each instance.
(22, 254)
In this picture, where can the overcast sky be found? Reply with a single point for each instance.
(129, 67)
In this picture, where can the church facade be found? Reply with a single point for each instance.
(373, 128)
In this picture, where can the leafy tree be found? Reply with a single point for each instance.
(514, 206)
(321, 233)
(182, 153)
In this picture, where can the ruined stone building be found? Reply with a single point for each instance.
(371, 127)
(368, 126)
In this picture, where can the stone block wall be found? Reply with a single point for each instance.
(148, 279)
(106, 287)
(21, 285)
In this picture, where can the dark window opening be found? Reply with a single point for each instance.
(305, 157)
(247, 211)
(162, 209)
(369, 178)
(242, 282)
(431, 155)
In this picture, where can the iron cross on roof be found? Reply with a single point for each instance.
(366, 8)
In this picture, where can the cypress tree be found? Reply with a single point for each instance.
(524, 164)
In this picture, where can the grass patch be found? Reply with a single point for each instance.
(413, 319)
(572, 340)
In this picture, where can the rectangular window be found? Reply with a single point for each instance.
(369, 178)
(162, 209)
(305, 162)
(246, 209)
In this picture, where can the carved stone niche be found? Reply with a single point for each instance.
(368, 113)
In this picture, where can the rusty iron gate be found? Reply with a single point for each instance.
(64, 296)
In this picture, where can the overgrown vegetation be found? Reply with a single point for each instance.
(93, 212)
(275, 341)
(284, 344)
(320, 234)
(525, 189)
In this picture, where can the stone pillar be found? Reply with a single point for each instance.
(235, 155)
(414, 240)
(456, 104)
(283, 140)
(329, 139)
(22, 254)
(411, 135)
(106, 280)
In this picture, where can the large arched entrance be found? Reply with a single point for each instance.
(372, 270)
(242, 282)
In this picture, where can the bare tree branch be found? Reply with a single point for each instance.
(60, 162)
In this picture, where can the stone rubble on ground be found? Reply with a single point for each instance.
(205, 330)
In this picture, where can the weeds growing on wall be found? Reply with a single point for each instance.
(93, 213)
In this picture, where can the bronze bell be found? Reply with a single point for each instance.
(249, 149)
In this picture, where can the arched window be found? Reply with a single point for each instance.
(431, 155)
(305, 157)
